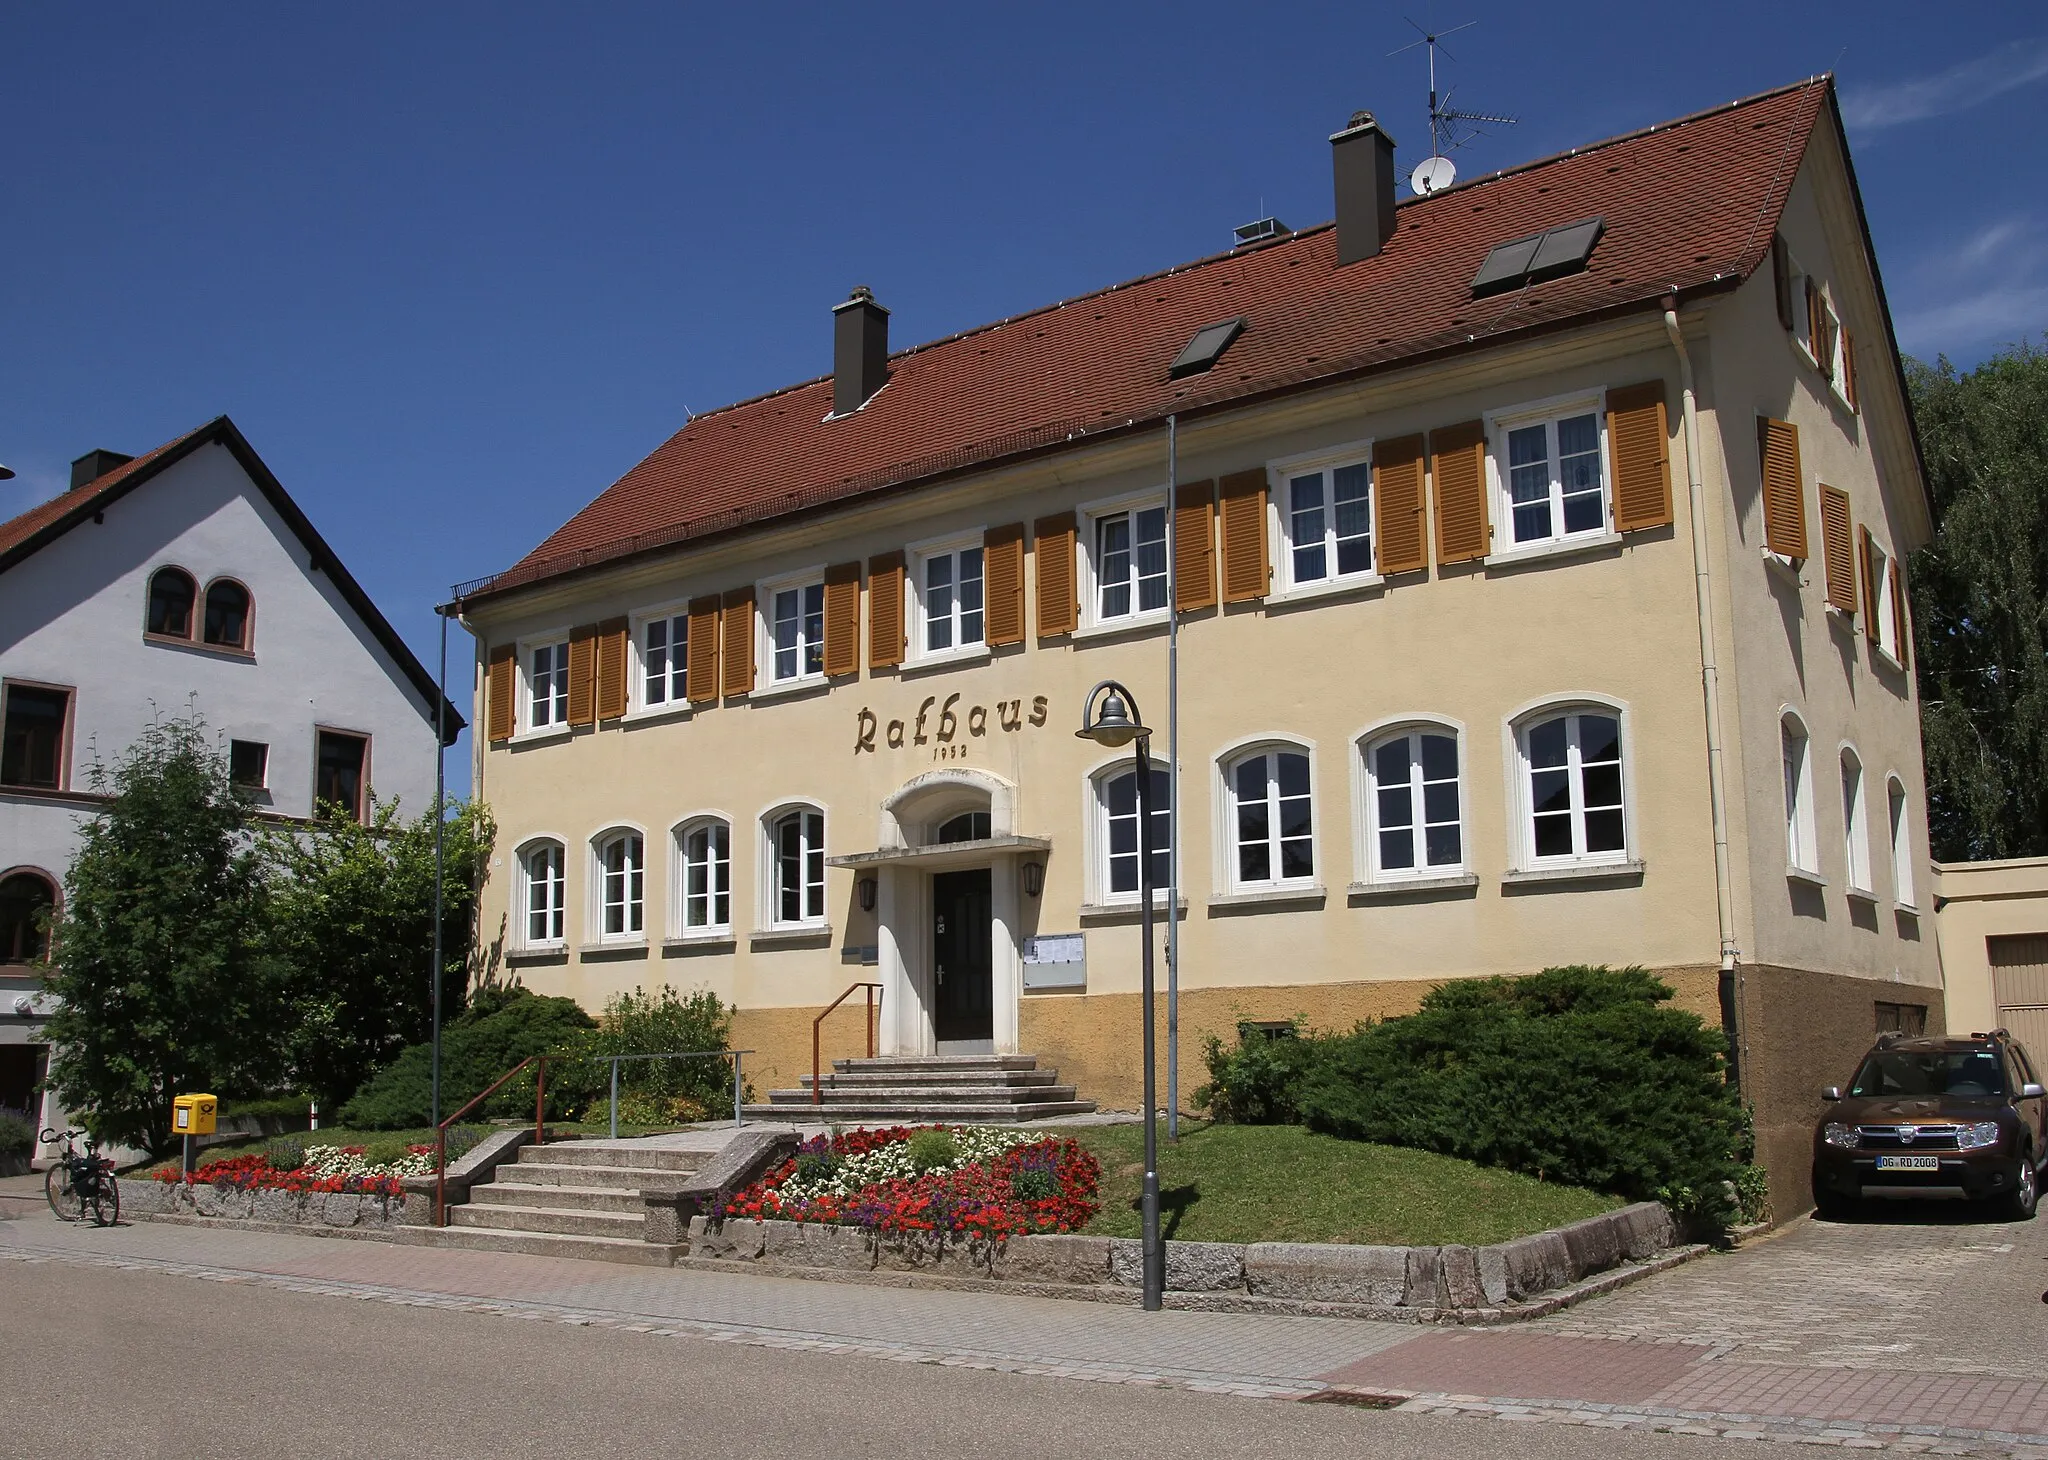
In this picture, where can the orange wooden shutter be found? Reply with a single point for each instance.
(1002, 569)
(1784, 497)
(1246, 568)
(501, 684)
(700, 680)
(842, 619)
(1399, 532)
(1059, 600)
(1781, 272)
(1815, 318)
(1457, 470)
(1902, 626)
(583, 675)
(1872, 629)
(1849, 369)
(1194, 546)
(1838, 554)
(736, 671)
(1639, 439)
(885, 610)
(612, 660)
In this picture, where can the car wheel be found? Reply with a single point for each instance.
(1830, 1207)
(2018, 1205)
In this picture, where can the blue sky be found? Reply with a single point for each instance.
(453, 269)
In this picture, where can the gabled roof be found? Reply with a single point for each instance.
(42, 525)
(1689, 208)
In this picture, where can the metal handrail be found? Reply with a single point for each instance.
(540, 1134)
(874, 1002)
(738, 1115)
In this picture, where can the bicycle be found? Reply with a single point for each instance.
(78, 1186)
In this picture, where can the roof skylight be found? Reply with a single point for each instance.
(1206, 347)
(1550, 254)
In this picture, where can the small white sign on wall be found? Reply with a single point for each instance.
(1056, 961)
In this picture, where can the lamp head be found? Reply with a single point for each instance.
(1113, 725)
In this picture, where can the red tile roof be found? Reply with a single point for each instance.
(50, 515)
(1689, 205)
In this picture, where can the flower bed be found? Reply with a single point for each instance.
(326, 1169)
(954, 1179)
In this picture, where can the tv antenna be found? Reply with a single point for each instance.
(1449, 128)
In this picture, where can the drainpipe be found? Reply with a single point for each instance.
(1710, 686)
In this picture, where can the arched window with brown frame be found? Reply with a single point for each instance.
(228, 614)
(171, 596)
(28, 900)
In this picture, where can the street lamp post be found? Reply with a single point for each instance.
(1116, 725)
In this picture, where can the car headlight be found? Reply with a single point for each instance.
(1978, 1137)
(1837, 1134)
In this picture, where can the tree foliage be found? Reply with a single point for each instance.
(160, 965)
(501, 1027)
(1980, 604)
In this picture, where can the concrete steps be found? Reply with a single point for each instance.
(976, 1089)
(571, 1199)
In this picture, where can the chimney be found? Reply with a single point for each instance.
(860, 351)
(96, 464)
(1362, 157)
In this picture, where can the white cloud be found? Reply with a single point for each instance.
(1964, 85)
(1988, 289)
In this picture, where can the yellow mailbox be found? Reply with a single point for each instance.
(192, 1115)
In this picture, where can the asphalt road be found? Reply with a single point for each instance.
(134, 1364)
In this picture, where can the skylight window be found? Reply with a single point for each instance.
(1206, 347)
(1548, 255)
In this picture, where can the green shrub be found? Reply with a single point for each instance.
(931, 1150)
(815, 1166)
(288, 1154)
(388, 1151)
(462, 1139)
(1034, 1183)
(17, 1136)
(292, 1109)
(499, 1029)
(665, 1022)
(1253, 1084)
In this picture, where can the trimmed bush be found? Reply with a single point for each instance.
(285, 1155)
(500, 1028)
(1254, 1083)
(933, 1150)
(17, 1135)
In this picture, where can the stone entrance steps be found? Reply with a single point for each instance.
(969, 1089)
(575, 1199)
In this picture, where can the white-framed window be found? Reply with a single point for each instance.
(1883, 606)
(1270, 822)
(1572, 785)
(1550, 470)
(1903, 890)
(796, 865)
(1325, 516)
(1127, 562)
(1802, 849)
(949, 599)
(664, 660)
(547, 684)
(621, 887)
(543, 872)
(703, 862)
(1855, 824)
(1414, 807)
(794, 621)
(1116, 831)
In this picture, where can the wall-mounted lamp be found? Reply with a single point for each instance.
(866, 888)
(1034, 878)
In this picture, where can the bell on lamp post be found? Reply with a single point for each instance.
(1116, 723)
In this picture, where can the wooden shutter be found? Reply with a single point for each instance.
(1639, 439)
(583, 675)
(1784, 497)
(1246, 568)
(1457, 470)
(842, 619)
(501, 691)
(1815, 317)
(700, 680)
(885, 610)
(1002, 576)
(1194, 546)
(1872, 629)
(1399, 532)
(1838, 554)
(1781, 271)
(1059, 594)
(1902, 626)
(736, 669)
(1849, 369)
(612, 660)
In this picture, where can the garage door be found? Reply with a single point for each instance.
(2019, 981)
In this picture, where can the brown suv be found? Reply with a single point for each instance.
(1960, 1118)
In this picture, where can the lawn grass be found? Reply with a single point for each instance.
(1267, 1183)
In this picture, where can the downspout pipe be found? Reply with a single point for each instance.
(1710, 686)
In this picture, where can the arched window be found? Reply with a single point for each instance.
(1414, 806)
(1271, 822)
(171, 594)
(1855, 825)
(705, 862)
(621, 887)
(544, 872)
(796, 859)
(1116, 831)
(968, 826)
(227, 614)
(1572, 787)
(1802, 850)
(27, 900)
(1903, 891)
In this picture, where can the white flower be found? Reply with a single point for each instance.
(977, 1144)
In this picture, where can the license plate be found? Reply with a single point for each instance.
(1909, 1163)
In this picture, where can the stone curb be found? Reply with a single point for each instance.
(293, 1211)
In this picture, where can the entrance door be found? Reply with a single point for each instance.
(963, 1005)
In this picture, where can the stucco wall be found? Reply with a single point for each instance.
(1981, 900)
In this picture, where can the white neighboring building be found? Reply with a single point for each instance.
(184, 578)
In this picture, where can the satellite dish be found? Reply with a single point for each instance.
(1432, 175)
